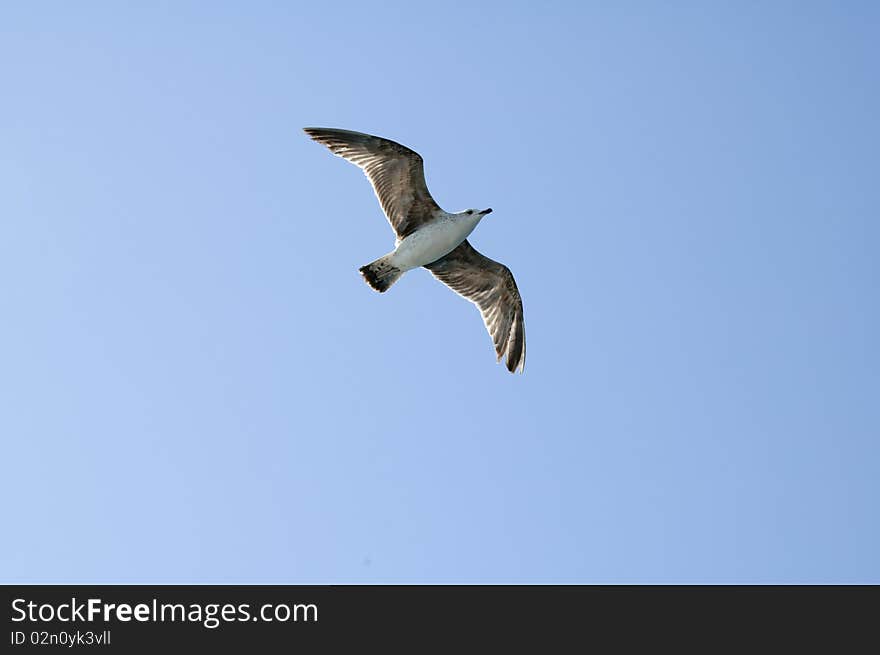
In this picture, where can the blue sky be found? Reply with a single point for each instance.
(197, 386)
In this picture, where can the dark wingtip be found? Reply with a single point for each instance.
(516, 353)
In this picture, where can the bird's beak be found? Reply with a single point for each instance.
(486, 211)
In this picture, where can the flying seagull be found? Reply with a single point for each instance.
(430, 237)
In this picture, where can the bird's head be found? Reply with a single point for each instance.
(477, 212)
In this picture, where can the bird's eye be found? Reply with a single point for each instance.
(470, 211)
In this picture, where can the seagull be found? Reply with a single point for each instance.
(430, 237)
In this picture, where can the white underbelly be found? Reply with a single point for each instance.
(431, 242)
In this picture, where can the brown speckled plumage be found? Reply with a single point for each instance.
(491, 287)
(396, 173)
(398, 178)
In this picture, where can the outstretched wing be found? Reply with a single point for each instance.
(396, 173)
(491, 287)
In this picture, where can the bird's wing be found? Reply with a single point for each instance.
(491, 287)
(396, 173)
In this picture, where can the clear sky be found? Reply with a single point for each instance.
(197, 386)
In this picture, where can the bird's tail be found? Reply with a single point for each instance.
(381, 274)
